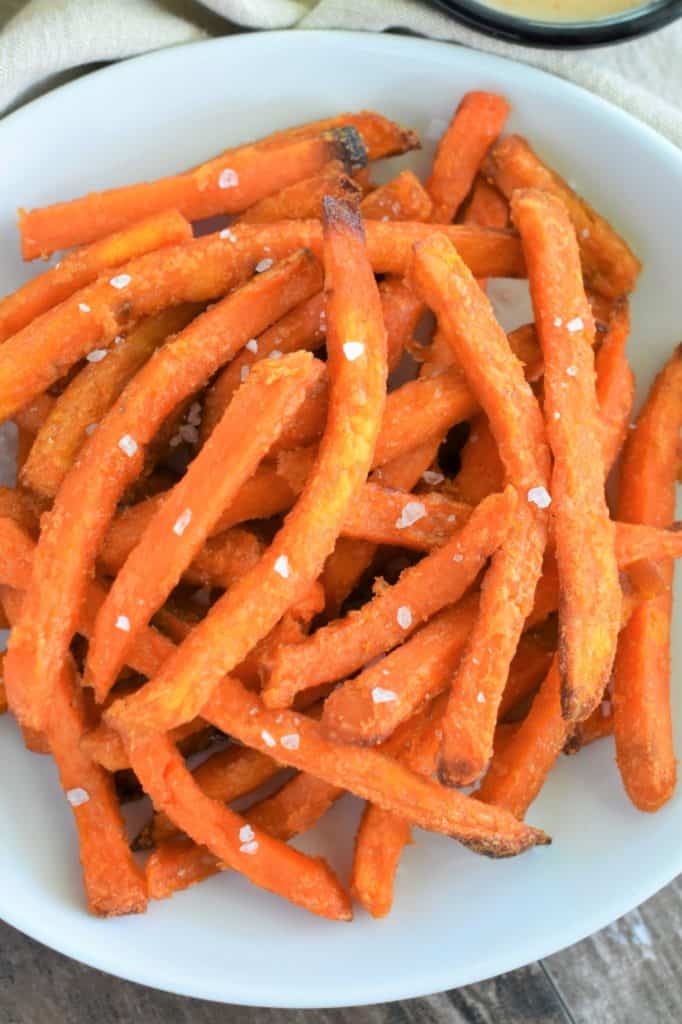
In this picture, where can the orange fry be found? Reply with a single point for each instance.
(367, 773)
(589, 615)
(475, 125)
(271, 395)
(403, 198)
(641, 679)
(89, 396)
(303, 199)
(609, 266)
(342, 647)
(229, 183)
(467, 321)
(79, 268)
(267, 862)
(615, 384)
(356, 352)
(379, 843)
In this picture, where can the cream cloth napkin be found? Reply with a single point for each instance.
(43, 41)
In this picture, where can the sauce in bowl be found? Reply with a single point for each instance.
(564, 10)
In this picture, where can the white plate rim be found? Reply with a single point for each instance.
(426, 981)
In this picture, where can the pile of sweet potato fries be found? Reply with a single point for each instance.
(230, 537)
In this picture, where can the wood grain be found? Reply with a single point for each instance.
(629, 973)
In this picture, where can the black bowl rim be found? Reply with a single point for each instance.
(567, 35)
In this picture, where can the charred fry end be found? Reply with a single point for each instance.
(351, 149)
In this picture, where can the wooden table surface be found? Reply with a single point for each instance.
(629, 973)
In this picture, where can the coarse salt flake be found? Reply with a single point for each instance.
(97, 355)
(194, 414)
(77, 796)
(458, 557)
(123, 623)
(244, 373)
(432, 477)
(291, 741)
(557, 415)
(411, 513)
(352, 350)
(275, 354)
(128, 445)
(252, 345)
(268, 738)
(576, 324)
(84, 308)
(558, 321)
(263, 265)
(404, 617)
(585, 233)
(249, 847)
(120, 281)
(246, 834)
(382, 696)
(282, 567)
(539, 496)
(572, 371)
(480, 697)
(91, 428)
(229, 234)
(182, 522)
(228, 178)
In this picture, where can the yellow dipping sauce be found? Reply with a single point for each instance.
(564, 10)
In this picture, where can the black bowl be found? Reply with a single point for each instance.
(564, 34)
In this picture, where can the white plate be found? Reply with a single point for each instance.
(458, 918)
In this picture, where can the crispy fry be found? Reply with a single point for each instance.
(608, 264)
(486, 206)
(379, 843)
(229, 183)
(272, 394)
(520, 768)
(89, 396)
(496, 376)
(367, 773)
(113, 457)
(615, 384)
(267, 862)
(303, 199)
(589, 615)
(403, 198)
(481, 472)
(641, 679)
(33, 415)
(250, 609)
(113, 882)
(381, 137)
(596, 727)
(178, 863)
(441, 578)
(531, 664)
(79, 268)
(474, 127)
(105, 746)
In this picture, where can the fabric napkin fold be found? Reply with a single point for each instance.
(44, 41)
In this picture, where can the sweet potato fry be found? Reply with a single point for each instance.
(113, 457)
(641, 679)
(615, 384)
(441, 578)
(381, 137)
(105, 746)
(496, 376)
(79, 268)
(90, 395)
(230, 184)
(595, 727)
(267, 862)
(271, 395)
(474, 127)
(303, 327)
(486, 206)
(589, 616)
(113, 882)
(367, 773)
(519, 769)
(303, 199)
(178, 863)
(356, 351)
(33, 415)
(609, 266)
(379, 843)
(403, 198)
(531, 664)
(481, 472)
